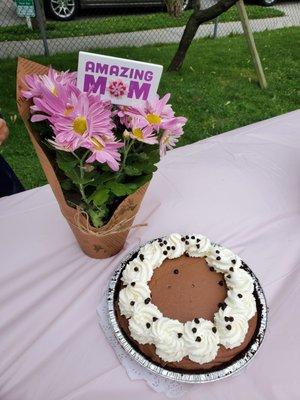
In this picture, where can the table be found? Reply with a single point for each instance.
(241, 189)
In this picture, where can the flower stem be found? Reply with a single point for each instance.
(80, 185)
(126, 151)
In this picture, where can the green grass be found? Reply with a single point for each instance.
(123, 23)
(216, 89)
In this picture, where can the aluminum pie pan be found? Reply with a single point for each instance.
(187, 377)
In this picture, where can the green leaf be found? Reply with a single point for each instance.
(122, 189)
(133, 170)
(66, 184)
(100, 196)
(96, 218)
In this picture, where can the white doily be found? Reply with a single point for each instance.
(135, 371)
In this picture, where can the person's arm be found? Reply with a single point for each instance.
(4, 131)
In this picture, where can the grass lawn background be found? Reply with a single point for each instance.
(124, 23)
(216, 89)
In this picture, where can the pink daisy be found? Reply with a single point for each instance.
(173, 131)
(49, 81)
(138, 131)
(83, 121)
(104, 151)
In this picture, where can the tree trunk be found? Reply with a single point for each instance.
(197, 18)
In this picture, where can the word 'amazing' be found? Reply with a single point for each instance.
(136, 89)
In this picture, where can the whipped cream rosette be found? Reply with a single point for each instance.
(199, 339)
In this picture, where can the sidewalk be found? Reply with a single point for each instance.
(140, 38)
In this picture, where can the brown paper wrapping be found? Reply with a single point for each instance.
(96, 243)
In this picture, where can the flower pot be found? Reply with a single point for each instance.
(97, 243)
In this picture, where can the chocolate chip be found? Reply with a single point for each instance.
(240, 295)
(198, 246)
(165, 252)
(233, 261)
(214, 329)
(228, 276)
(168, 248)
(187, 242)
(196, 320)
(218, 251)
(187, 236)
(161, 244)
(132, 303)
(193, 237)
(228, 327)
(231, 319)
(159, 240)
(173, 248)
(142, 257)
(221, 283)
(227, 319)
(231, 269)
(198, 339)
(198, 240)
(148, 325)
(132, 283)
(154, 319)
(211, 268)
(194, 330)
(179, 335)
(218, 258)
(183, 239)
(222, 306)
(175, 271)
(147, 300)
(135, 269)
(165, 242)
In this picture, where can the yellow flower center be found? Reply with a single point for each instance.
(98, 146)
(153, 119)
(80, 125)
(138, 133)
(54, 91)
(68, 110)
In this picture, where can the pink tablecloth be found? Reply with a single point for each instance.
(241, 189)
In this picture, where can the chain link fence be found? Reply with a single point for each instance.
(32, 27)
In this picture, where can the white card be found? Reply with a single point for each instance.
(122, 81)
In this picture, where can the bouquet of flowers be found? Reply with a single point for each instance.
(102, 153)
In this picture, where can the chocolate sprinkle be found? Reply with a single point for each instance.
(161, 244)
(165, 252)
(187, 242)
(176, 271)
(165, 242)
(193, 237)
(142, 257)
(221, 283)
(132, 303)
(179, 335)
(173, 247)
(168, 248)
(214, 329)
(231, 269)
(218, 251)
(227, 319)
(148, 325)
(198, 246)
(135, 269)
(228, 276)
(231, 319)
(211, 268)
(132, 283)
(196, 320)
(194, 330)
(198, 339)
(228, 327)
(218, 258)
(154, 319)
(183, 239)
(240, 295)
(233, 261)
(147, 300)
(198, 240)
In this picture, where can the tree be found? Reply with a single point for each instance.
(198, 17)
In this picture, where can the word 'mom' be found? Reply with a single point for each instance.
(97, 74)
